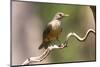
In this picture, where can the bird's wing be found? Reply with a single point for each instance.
(47, 30)
(45, 34)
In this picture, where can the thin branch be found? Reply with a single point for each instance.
(50, 48)
(80, 38)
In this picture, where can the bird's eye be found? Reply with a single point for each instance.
(60, 14)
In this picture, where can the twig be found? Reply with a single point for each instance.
(79, 38)
(50, 48)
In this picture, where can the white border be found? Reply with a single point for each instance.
(83, 2)
(5, 33)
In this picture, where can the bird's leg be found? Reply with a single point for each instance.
(52, 41)
(57, 39)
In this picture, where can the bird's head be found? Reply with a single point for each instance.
(60, 15)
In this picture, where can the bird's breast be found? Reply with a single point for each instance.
(55, 24)
(54, 34)
(55, 31)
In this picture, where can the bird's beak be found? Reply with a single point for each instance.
(66, 15)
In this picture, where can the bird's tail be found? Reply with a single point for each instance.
(43, 45)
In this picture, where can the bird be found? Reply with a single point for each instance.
(52, 30)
